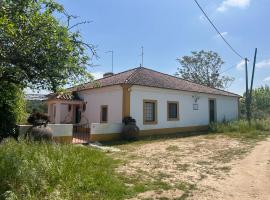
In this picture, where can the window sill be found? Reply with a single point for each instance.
(173, 119)
(149, 123)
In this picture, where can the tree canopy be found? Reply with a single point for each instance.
(260, 106)
(38, 50)
(204, 68)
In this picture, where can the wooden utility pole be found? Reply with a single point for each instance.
(247, 93)
(252, 78)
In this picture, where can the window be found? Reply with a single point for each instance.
(104, 114)
(150, 112)
(173, 110)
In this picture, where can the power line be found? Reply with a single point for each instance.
(227, 69)
(238, 54)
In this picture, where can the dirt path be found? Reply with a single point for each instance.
(248, 179)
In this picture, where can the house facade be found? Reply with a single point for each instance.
(160, 103)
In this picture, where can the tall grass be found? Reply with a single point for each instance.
(45, 171)
(241, 128)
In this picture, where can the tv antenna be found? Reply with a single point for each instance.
(111, 51)
(142, 56)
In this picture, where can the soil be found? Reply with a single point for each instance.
(199, 167)
(249, 178)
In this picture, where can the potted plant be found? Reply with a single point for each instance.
(39, 131)
(130, 130)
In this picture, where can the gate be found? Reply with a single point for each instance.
(81, 134)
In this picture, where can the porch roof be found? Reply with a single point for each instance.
(70, 98)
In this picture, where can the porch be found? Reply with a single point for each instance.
(66, 108)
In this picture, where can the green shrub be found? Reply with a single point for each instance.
(43, 171)
(241, 128)
(12, 107)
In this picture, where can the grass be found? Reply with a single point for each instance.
(172, 148)
(45, 171)
(258, 129)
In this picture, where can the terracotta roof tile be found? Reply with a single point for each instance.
(64, 96)
(150, 78)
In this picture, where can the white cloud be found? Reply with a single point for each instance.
(223, 34)
(97, 75)
(263, 64)
(267, 79)
(241, 65)
(201, 18)
(233, 3)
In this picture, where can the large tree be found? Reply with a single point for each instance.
(260, 107)
(204, 68)
(38, 50)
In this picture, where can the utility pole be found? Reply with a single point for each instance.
(252, 78)
(112, 57)
(142, 56)
(247, 93)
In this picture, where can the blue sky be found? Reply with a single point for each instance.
(169, 29)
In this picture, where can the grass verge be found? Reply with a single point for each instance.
(257, 130)
(45, 171)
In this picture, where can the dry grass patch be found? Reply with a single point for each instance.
(176, 164)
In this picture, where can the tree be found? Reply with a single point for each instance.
(260, 106)
(203, 67)
(38, 50)
(12, 108)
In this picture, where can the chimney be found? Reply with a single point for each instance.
(107, 74)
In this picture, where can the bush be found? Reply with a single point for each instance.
(41, 133)
(241, 128)
(12, 108)
(260, 106)
(44, 171)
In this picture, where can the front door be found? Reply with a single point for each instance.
(77, 114)
(212, 110)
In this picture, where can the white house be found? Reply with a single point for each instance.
(160, 103)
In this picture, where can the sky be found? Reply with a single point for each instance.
(170, 29)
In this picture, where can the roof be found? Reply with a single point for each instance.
(70, 96)
(147, 77)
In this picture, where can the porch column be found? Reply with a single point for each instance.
(50, 111)
(57, 119)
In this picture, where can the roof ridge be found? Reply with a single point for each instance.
(133, 74)
(189, 81)
(116, 74)
(83, 84)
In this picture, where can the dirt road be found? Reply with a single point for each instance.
(248, 179)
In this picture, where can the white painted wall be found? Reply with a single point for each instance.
(111, 96)
(101, 128)
(64, 113)
(226, 107)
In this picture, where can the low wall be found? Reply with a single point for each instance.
(105, 131)
(61, 132)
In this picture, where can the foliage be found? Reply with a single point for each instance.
(43, 171)
(242, 129)
(40, 134)
(38, 50)
(260, 105)
(37, 119)
(39, 131)
(128, 120)
(38, 105)
(130, 130)
(203, 67)
(12, 108)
